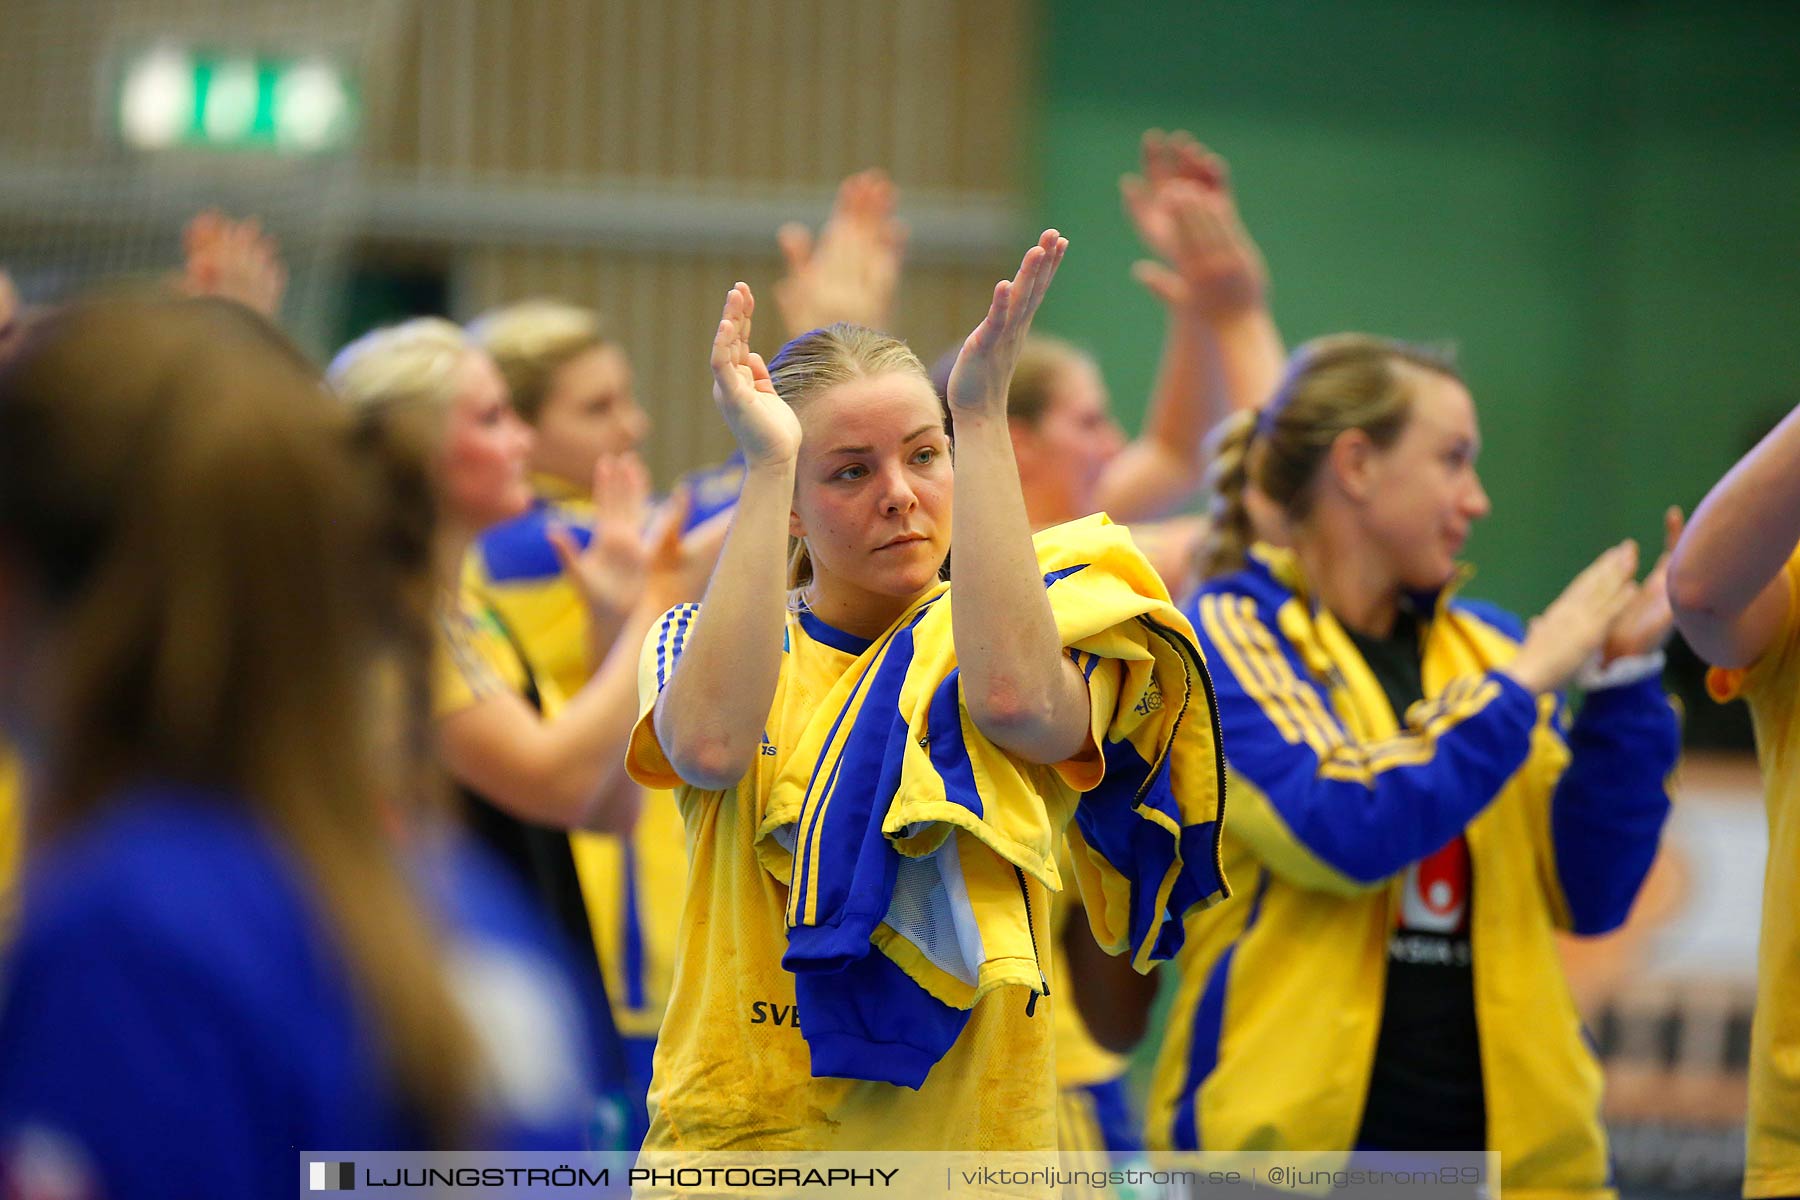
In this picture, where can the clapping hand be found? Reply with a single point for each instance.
(610, 570)
(1569, 632)
(1186, 215)
(1646, 622)
(851, 272)
(984, 367)
(681, 564)
(766, 429)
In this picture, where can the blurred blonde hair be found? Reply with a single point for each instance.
(413, 363)
(817, 361)
(399, 383)
(194, 507)
(531, 341)
(1332, 385)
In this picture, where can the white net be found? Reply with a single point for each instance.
(120, 119)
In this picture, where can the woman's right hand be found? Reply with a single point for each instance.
(681, 563)
(1569, 632)
(609, 571)
(766, 429)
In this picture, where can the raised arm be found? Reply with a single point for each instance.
(1227, 281)
(1725, 578)
(1221, 351)
(1021, 691)
(709, 716)
(850, 273)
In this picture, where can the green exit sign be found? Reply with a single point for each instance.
(177, 97)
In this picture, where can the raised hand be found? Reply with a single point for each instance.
(610, 570)
(1575, 625)
(1213, 268)
(766, 429)
(1166, 158)
(1185, 213)
(852, 271)
(680, 565)
(235, 260)
(984, 367)
(1647, 621)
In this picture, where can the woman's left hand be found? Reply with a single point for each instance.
(1645, 624)
(984, 368)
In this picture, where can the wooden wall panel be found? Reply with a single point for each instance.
(493, 127)
(748, 91)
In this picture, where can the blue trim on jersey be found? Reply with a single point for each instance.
(1113, 1114)
(949, 753)
(1607, 813)
(848, 1013)
(671, 640)
(1054, 576)
(831, 635)
(1365, 829)
(1141, 850)
(662, 648)
(519, 550)
(854, 849)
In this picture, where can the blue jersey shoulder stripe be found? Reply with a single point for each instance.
(519, 550)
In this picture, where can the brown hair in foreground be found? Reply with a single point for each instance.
(178, 488)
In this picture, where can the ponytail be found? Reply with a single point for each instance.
(1227, 544)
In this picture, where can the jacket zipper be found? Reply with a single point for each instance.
(1031, 931)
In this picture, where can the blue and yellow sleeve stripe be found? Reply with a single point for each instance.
(1334, 810)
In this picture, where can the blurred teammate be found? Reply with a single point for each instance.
(1412, 820)
(243, 930)
(574, 387)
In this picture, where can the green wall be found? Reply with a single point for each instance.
(1598, 203)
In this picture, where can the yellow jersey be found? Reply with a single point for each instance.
(1089, 1078)
(915, 941)
(1771, 686)
(732, 1068)
(1080, 1060)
